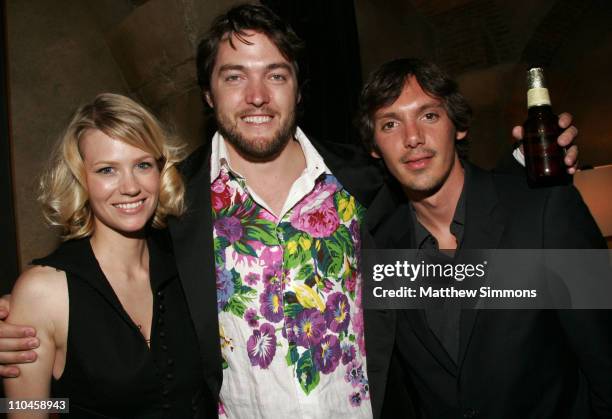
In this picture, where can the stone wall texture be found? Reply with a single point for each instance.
(62, 54)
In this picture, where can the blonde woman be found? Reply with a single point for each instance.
(114, 329)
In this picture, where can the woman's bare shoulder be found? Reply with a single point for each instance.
(38, 284)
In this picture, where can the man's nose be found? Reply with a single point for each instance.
(412, 136)
(257, 93)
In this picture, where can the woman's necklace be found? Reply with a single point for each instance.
(145, 338)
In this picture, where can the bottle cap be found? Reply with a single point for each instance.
(537, 93)
(535, 78)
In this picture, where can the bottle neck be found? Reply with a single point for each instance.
(538, 96)
(535, 110)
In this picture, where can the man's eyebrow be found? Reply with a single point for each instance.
(393, 115)
(231, 67)
(269, 67)
(277, 66)
(430, 105)
(423, 107)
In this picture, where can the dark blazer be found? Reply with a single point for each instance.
(192, 238)
(512, 363)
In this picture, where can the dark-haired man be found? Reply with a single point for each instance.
(491, 363)
(285, 229)
(268, 249)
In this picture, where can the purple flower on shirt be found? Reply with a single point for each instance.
(337, 313)
(316, 214)
(261, 346)
(251, 278)
(273, 273)
(225, 288)
(355, 234)
(326, 354)
(313, 333)
(355, 399)
(331, 181)
(271, 256)
(358, 325)
(364, 388)
(307, 329)
(271, 306)
(251, 317)
(354, 373)
(348, 353)
(230, 228)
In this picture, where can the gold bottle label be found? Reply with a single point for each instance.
(538, 96)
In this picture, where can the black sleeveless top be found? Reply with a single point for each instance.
(110, 371)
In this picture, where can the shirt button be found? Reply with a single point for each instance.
(162, 334)
(170, 361)
(470, 413)
(164, 347)
(162, 308)
(169, 376)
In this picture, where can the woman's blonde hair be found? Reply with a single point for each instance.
(63, 190)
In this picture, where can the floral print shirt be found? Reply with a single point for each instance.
(289, 296)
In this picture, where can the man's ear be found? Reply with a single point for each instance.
(460, 135)
(375, 154)
(208, 98)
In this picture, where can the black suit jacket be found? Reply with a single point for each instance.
(512, 363)
(192, 238)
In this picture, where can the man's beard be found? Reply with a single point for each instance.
(258, 150)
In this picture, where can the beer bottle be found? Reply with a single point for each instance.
(543, 156)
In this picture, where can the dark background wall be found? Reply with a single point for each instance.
(9, 260)
(62, 53)
(488, 45)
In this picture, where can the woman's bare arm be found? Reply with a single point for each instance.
(40, 299)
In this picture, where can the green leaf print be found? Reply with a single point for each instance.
(265, 235)
(292, 310)
(235, 305)
(247, 293)
(292, 355)
(305, 272)
(294, 254)
(220, 244)
(336, 257)
(323, 258)
(342, 236)
(289, 231)
(244, 248)
(307, 374)
(236, 279)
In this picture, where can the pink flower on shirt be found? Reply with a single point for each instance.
(221, 195)
(316, 214)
